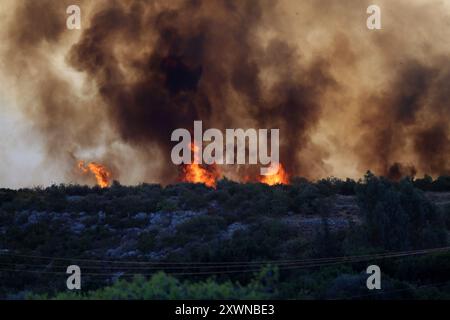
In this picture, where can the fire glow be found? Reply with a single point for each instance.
(209, 174)
(101, 173)
(196, 173)
(280, 177)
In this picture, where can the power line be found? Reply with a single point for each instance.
(222, 266)
(236, 263)
(251, 268)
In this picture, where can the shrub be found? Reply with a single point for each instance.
(398, 216)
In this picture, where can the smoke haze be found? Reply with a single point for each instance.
(346, 99)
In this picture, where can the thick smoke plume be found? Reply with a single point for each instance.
(346, 99)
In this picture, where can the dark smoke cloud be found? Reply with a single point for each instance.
(200, 51)
(345, 99)
(433, 146)
(412, 111)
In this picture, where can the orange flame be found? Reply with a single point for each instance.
(280, 177)
(101, 173)
(196, 173)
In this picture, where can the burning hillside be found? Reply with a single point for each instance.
(210, 174)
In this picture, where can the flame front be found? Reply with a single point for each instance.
(197, 173)
(101, 173)
(280, 177)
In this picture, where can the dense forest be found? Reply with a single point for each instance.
(304, 240)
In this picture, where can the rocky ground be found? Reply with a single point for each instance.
(138, 235)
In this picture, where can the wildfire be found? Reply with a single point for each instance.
(101, 173)
(280, 177)
(197, 173)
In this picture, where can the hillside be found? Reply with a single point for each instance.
(194, 233)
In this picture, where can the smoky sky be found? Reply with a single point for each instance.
(346, 99)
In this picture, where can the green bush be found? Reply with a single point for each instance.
(165, 287)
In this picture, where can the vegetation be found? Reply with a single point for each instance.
(198, 227)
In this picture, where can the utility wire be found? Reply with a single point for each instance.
(201, 272)
(222, 266)
(234, 263)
